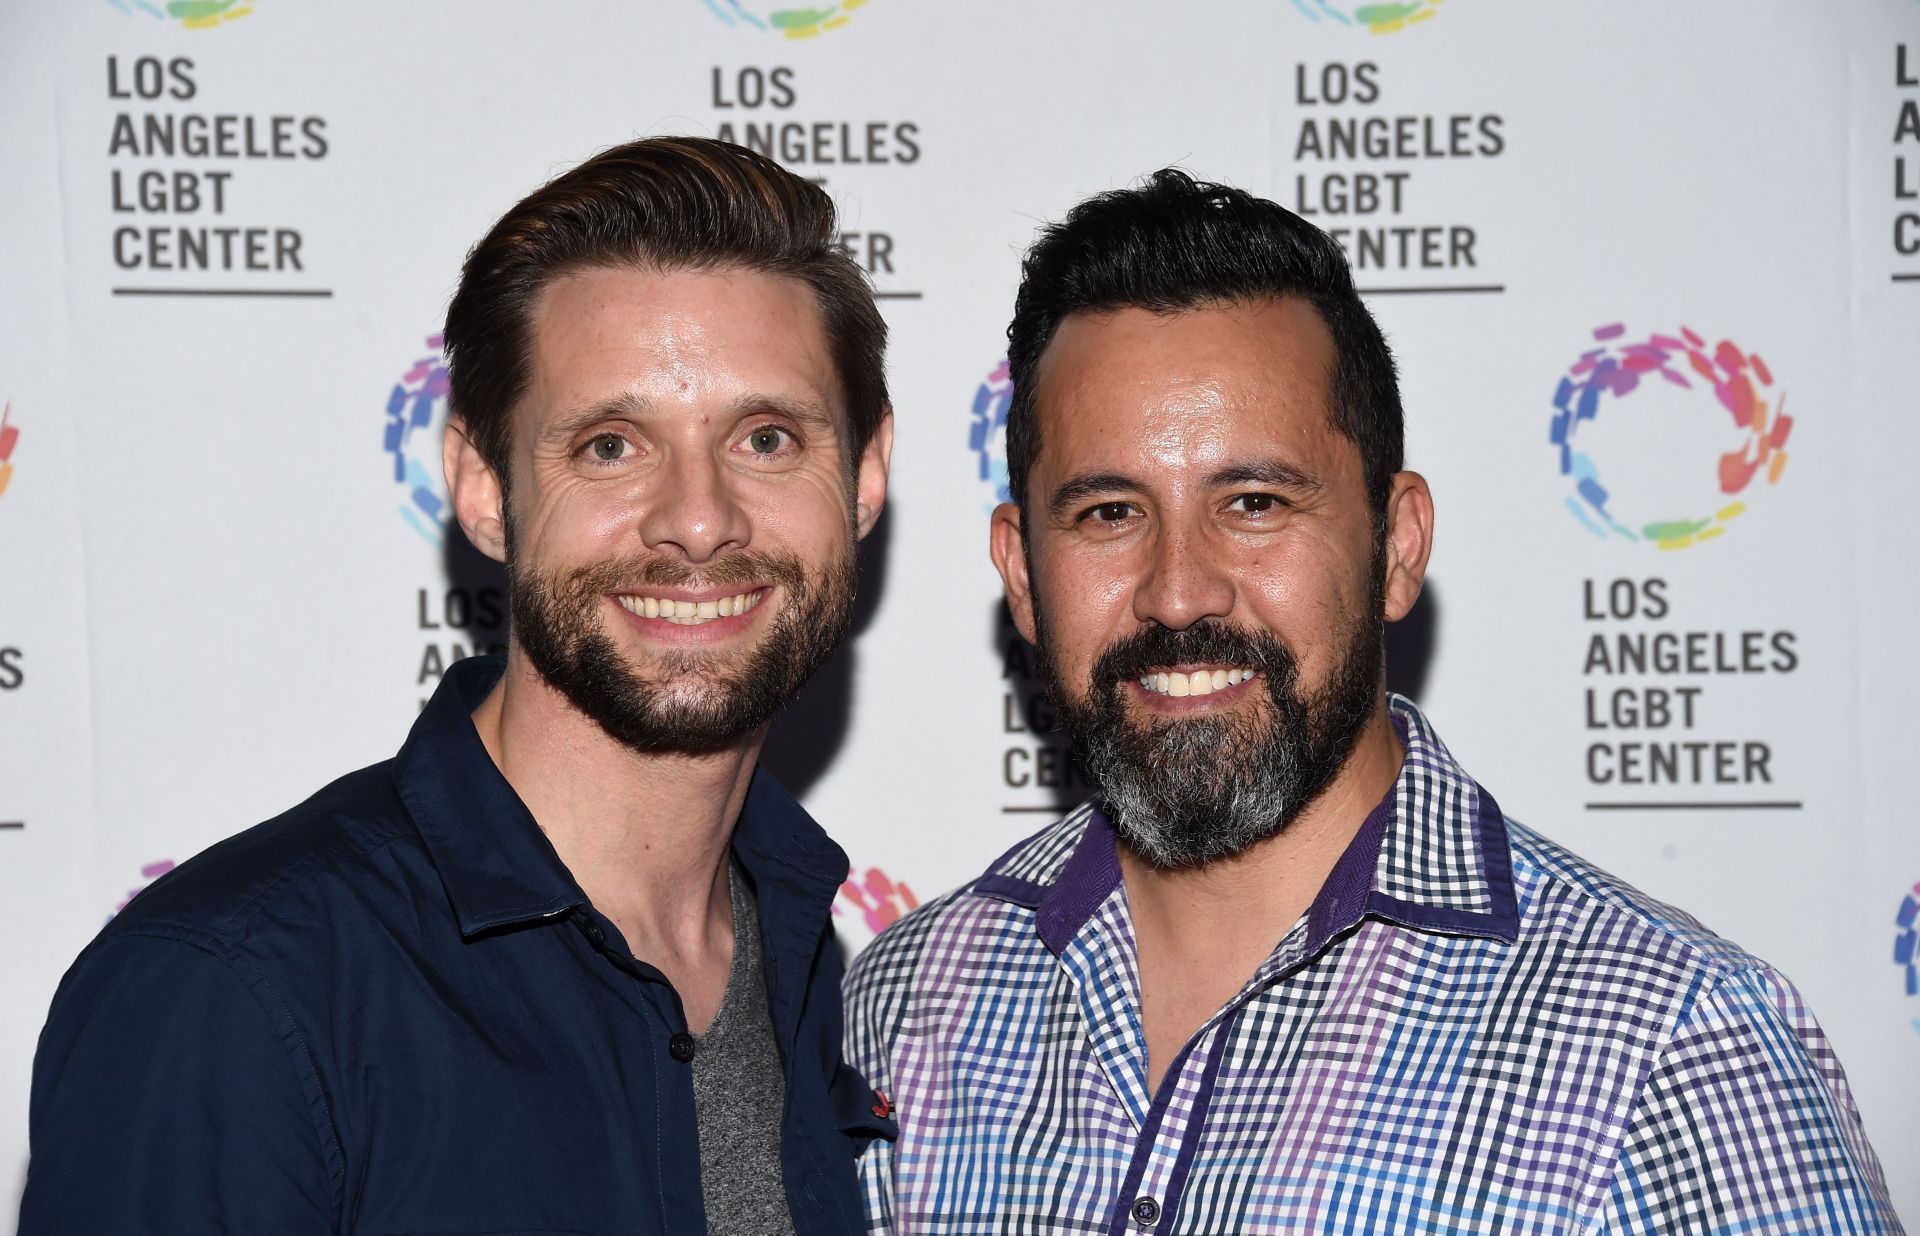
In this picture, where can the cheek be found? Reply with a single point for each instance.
(1087, 601)
(807, 512)
(1309, 601)
(568, 518)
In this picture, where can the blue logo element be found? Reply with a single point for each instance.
(416, 420)
(1906, 945)
(987, 434)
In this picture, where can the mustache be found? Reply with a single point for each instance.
(743, 567)
(1156, 647)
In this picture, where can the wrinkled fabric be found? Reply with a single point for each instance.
(1470, 1030)
(393, 1010)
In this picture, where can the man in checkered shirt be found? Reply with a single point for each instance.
(1461, 1026)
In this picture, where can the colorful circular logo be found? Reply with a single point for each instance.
(192, 14)
(987, 432)
(795, 22)
(876, 898)
(1906, 943)
(1375, 18)
(9, 438)
(416, 422)
(1741, 385)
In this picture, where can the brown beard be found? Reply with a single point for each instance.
(556, 622)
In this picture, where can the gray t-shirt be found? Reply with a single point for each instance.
(739, 1094)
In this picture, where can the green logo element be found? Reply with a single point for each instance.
(1377, 18)
(798, 22)
(191, 14)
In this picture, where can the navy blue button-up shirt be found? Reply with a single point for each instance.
(393, 1010)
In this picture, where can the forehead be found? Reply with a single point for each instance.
(1128, 380)
(675, 336)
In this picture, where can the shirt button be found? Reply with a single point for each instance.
(596, 936)
(1146, 1211)
(681, 1047)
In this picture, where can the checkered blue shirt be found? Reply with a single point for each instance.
(1469, 1030)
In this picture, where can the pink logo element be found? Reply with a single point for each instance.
(148, 874)
(878, 899)
(9, 436)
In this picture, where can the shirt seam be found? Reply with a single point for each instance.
(238, 920)
(1695, 945)
(253, 980)
(1769, 976)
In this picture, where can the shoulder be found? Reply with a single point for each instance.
(1566, 898)
(1008, 890)
(1730, 1076)
(957, 939)
(312, 856)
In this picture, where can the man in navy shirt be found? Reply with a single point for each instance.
(565, 963)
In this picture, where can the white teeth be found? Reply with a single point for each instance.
(689, 613)
(1200, 682)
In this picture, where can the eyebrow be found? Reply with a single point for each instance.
(625, 404)
(628, 405)
(1274, 472)
(805, 411)
(1072, 493)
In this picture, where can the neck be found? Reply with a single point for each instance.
(1232, 912)
(645, 834)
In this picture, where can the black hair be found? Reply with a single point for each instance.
(1175, 243)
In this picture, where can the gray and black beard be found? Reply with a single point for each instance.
(1188, 792)
(556, 621)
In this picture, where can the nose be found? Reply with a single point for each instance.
(1184, 581)
(694, 513)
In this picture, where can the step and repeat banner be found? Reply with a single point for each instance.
(1652, 271)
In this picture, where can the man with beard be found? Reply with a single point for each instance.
(564, 964)
(1292, 970)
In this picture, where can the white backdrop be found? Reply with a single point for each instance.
(231, 228)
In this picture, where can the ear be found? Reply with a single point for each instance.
(1010, 558)
(1409, 542)
(475, 490)
(870, 474)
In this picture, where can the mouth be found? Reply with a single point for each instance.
(1201, 680)
(686, 613)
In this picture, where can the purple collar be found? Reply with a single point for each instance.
(1351, 892)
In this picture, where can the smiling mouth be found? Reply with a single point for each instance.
(1199, 682)
(690, 613)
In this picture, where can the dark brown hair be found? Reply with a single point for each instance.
(666, 203)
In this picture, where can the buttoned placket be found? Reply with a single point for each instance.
(1101, 960)
(606, 943)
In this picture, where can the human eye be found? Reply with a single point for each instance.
(607, 448)
(1106, 516)
(770, 441)
(1256, 504)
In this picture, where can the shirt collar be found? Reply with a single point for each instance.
(1432, 855)
(499, 868)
